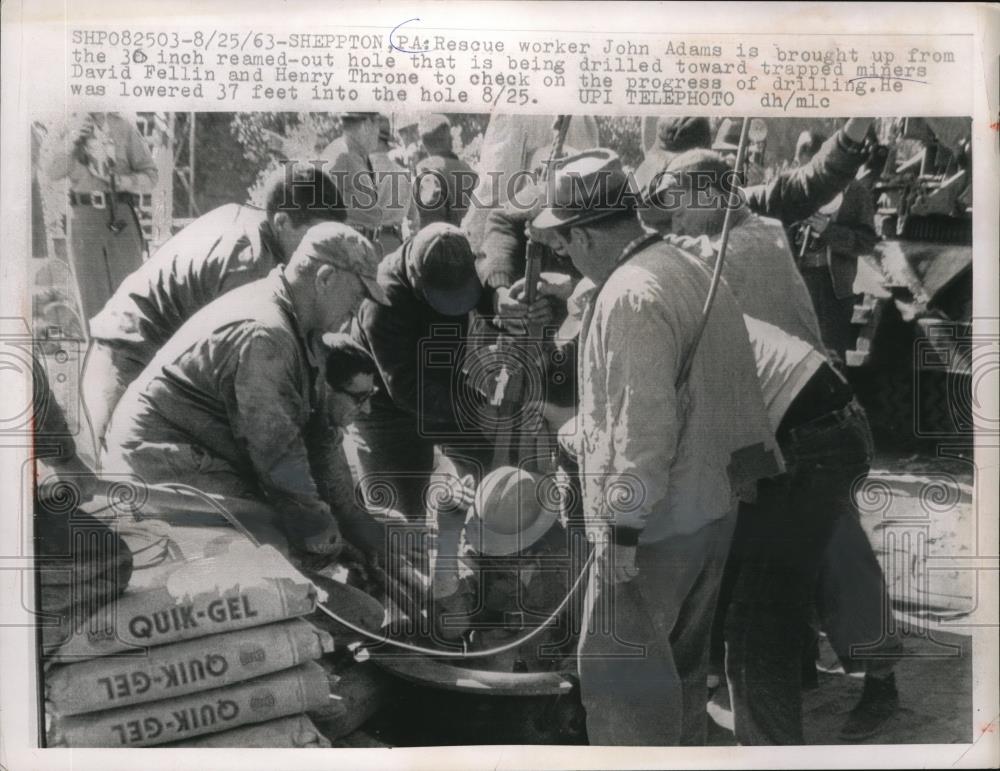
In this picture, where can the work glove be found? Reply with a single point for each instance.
(327, 542)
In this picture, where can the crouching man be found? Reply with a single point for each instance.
(225, 405)
(503, 568)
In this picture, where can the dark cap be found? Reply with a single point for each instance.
(728, 136)
(586, 187)
(700, 159)
(675, 135)
(691, 168)
(434, 129)
(442, 267)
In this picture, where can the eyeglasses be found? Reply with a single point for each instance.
(360, 399)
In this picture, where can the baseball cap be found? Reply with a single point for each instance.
(584, 188)
(434, 129)
(443, 267)
(677, 134)
(345, 248)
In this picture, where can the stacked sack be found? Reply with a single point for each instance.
(219, 656)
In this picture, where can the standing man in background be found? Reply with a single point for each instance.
(347, 162)
(108, 166)
(221, 250)
(395, 189)
(828, 244)
(444, 181)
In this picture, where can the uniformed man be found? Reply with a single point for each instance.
(226, 404)
(221, 250)
(444, 182)
(659, 453)
(347, 161)
(108, 166)
(395, 189)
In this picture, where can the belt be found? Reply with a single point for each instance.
(100, 200)
(822, 401)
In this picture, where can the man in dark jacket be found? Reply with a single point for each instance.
(828, 244)
(224, 249)
(417, 340)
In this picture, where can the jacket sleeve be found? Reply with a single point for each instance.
(501, 261)
(396, 344)
(641, 347)
(268, 418)
(852, 231)
(797, 193)
(336, 487)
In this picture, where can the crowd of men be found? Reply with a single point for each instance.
(375, 325)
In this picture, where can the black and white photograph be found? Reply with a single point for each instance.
(369, 424)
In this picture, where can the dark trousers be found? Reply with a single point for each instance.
(778, 549)
(102, 259)
(834, 312)
(643, 656)
(853, 603)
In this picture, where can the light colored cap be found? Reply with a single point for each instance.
(344, 248)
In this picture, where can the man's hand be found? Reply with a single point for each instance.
(510, 311)
(327, 542)
(557, 285)
(623, 564)
(540, 312)
(818, 223)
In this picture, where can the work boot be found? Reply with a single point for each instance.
(879, 701)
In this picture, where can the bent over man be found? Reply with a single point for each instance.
(226, 404)
(224, 249)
